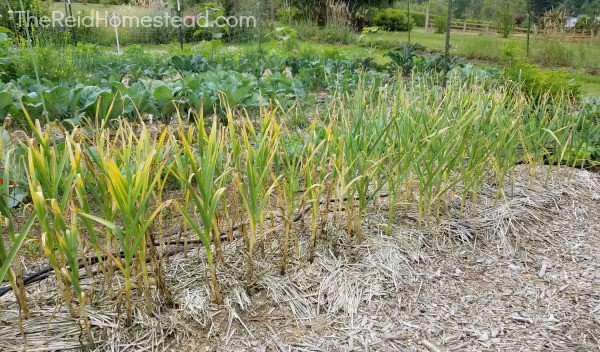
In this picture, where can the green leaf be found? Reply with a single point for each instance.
(111, 225)
(15, 246)
(57, 102)
(88, 96)
(6, 101)
(163, 95)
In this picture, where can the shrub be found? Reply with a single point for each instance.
(440, 23)
(329, 34)
(418, 19)
(586, 24)
(537, 82)
(393, 20)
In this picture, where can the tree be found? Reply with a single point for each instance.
(538, 7)
(591, 9)
(460, 8)
(494, 10)
(572, 7)
(506, 21)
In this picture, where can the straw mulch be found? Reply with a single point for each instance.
(509, 278)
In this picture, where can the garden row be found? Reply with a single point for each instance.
(135, 85)
(100, 194)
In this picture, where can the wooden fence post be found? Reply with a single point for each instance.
(447, 47)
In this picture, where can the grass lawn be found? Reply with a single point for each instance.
(590, 84)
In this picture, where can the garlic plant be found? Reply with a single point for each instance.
(407, 140)
(204, 188)
(253, 176)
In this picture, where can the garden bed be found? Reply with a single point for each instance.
(522, 276)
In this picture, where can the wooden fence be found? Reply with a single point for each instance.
(520, 32)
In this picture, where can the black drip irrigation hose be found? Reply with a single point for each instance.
(44, 272)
